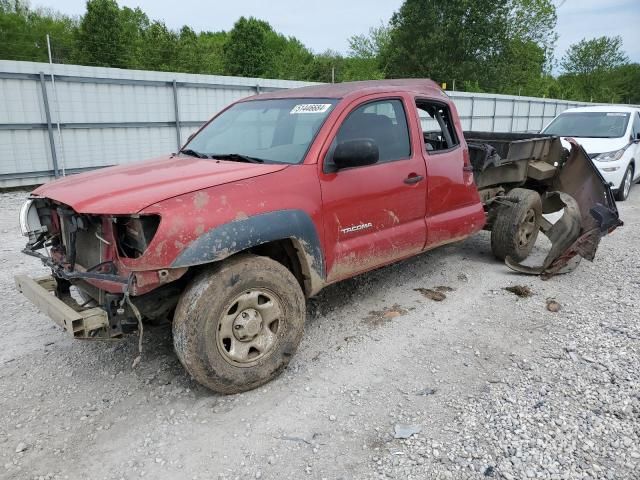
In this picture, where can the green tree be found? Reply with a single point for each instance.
(134, 23)
(527, 58)
(372, 44)
(534, 22)
(588, 64)
(23, 32)
(160, 50)
(101, 38)
(246, 52)
(447, 40)
(626, 82)
(326, 66)
(188, 55)
(290, 59)
(211, 52)
(366, 52)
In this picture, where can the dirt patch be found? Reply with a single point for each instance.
(444, 288)
(380, 317)
(200, 200)
(521, 291)
(436, 294)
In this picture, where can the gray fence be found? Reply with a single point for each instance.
(60, 119)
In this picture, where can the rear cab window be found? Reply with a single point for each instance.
(438, 130)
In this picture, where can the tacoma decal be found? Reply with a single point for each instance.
(356, 228)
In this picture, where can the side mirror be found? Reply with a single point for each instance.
(356, 153)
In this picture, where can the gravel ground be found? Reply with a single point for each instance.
(487, 383)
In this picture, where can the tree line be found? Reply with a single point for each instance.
(498, 46)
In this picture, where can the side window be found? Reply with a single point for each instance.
(383, 121)
(635, 131)
(438, 130)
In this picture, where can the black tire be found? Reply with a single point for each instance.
(625, 186)
(222, 333)
(516, 225)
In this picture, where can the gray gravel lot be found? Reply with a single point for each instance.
(496, 385)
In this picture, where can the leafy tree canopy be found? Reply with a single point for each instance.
(501, 46)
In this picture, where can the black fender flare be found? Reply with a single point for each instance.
(227, 239)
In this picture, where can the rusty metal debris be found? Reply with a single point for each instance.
(589, 213)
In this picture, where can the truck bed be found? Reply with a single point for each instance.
(500, 159)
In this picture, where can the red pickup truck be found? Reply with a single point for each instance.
(282, 194)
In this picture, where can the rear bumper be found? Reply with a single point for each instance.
(79, 322)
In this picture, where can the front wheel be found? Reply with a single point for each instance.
(625, 187)
(238, 324)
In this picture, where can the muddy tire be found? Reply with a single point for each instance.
(238, 324)
(625, 186)
(515, 228)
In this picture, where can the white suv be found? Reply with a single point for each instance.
(611, 137)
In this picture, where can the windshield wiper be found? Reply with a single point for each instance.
(236, 157)
(193, 153)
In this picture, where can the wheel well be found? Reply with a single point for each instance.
(286, 253)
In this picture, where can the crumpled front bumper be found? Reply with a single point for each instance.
(79, 322)
(589, 213)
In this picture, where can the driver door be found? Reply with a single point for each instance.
(374, 214)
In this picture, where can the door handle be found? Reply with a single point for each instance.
(413, 179)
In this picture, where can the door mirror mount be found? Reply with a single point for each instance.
(356, 153)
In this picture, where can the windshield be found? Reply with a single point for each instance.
(278, 131)
(589, 124)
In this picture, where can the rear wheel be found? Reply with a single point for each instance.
(625, 187)
(516, 225)
(238, 324)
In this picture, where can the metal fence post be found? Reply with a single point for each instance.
(495, 110)
(258, 89)
(47, 114)
(513, 112)
(528, 116)
(177, 114)
(473, 105)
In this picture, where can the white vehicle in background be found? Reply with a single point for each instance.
(611, 137)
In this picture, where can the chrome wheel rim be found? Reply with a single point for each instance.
(248, 329)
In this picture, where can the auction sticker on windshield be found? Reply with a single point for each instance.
(310, 108)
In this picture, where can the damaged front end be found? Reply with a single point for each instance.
(90, 252)
(588, 213)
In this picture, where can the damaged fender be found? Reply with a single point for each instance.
(227, 239)
(589, 213)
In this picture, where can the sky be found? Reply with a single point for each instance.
(328, 24)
